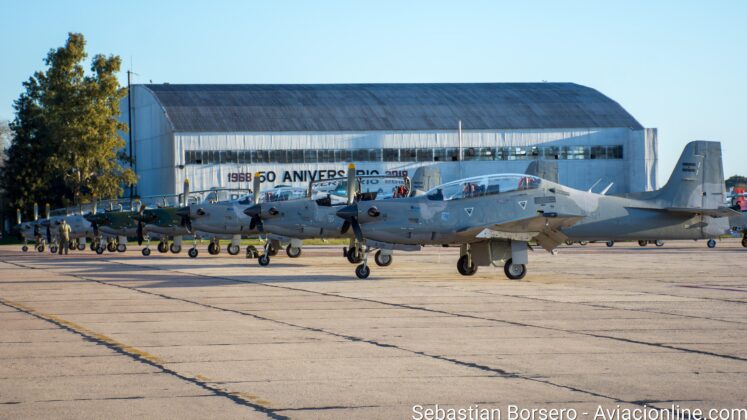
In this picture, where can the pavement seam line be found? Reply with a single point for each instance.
(240, 398)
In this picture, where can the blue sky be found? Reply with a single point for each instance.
(679, 66)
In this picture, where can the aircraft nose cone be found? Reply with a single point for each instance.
(253, 211)
(348, 212)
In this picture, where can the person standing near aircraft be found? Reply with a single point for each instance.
(64, 236)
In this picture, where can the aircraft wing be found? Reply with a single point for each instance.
(545, 229)
(717, 212)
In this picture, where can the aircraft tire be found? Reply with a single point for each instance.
(192, 252)
(163, 247)
(514, 271)
(81, 247)
(264, 260)
(292, 251)
(40, 248)
(583, 243)
(711, 243)
(111, 247)
(100, 250)
(362, 271)
(382, 260)
(659, 243)
(146, 252)
(233, 249)
(642, 243)
(271, 251)
(213, 248)
(251, 251)
(610, 244)
(175, 249)
(353, 256)
(121, 248)
(93, 246)
(744, 242)
(53, 249)
(569, 242)
(463, 268)
(25, 248)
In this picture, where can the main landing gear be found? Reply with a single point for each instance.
(269, 251)
(494, 252)
(744, 240)
(712, 243)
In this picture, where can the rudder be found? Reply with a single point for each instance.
(698, 179)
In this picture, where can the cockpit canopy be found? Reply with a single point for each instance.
(483, 185)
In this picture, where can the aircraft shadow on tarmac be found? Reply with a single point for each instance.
(175, 275)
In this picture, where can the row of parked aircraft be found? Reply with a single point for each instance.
(493, 219)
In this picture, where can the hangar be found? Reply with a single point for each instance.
(219, 135)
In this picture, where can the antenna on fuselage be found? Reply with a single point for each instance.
(351, 184)
(594, 185)
(36, 212)
(604, 191)
(256, 184)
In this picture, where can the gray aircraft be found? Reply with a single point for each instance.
(227, 218)
(494, 218)
(314, 215)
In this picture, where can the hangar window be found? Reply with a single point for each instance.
(614, 152)
(278, 156)
(360, 155)
(295, 156)
(326, 156)
(230, 157)
(408, 155)
(260, 156)
(598, 152)
(425, 155)
(391, 155)
(552, 152)
(576, 152)
(517, 153)
(533, 153)
(309, 156)
(344, 155)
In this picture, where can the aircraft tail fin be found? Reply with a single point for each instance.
(544, 169)
(697, 181)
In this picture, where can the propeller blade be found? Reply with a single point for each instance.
(345, 227)
(36, 212)
(357, 230)
(255, 188)
(18, 216)
(185, 198)
(351, 184)
(140, 235)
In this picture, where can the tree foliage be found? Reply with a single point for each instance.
(736, 181)
(66, 146)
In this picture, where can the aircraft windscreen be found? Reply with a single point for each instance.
(483, 185)
(283, 194)
(368, 188)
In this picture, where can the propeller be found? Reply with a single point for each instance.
(184, 212)
(140, 225)
(36, 212)
(18, 216)
(349, 213)
(255, 211)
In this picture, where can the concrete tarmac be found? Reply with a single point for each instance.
(165, 336)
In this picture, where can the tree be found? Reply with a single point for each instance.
(65, 146)
(736, 181)
(5, 135)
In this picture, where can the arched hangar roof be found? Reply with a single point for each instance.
(399, 106)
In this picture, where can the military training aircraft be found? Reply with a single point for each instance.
(494, 218)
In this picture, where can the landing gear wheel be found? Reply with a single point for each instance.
(293, 252)
(213, 248)
(659, 243)
(100, 250)
(233, 249)
(121, 248)
(93, 246)
(362, 271)
(146, 252)
(264, 260)
(251, 252)
(81, 247)
(72, 245)
(642, 243)
(353, 256)
(25, 248)
(569, 242)
(514, 271)
(744, 242)
(111, 247)
(40, 248)
(53, 249)
(583, 243)
(610, 244)
(163, 247)
(711, 243)
(465, 269)
(192, 252)
(382, 260)
(271, 251)
(175, 249)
